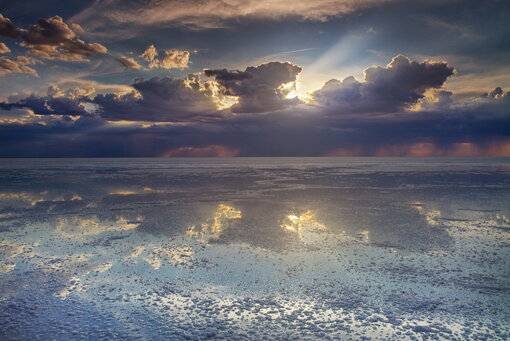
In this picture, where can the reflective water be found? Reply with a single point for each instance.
(277, 248)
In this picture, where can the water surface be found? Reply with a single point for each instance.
(255, 248)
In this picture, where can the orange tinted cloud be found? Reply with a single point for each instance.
(427, 149)
(500, 148)
(207, 151)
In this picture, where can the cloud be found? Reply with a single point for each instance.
(17, 65)
(7, 28)
(150, 54)
(51, 31)
(52, 38)
(129, 63)
(155, 100)
(402, 109)
(434, 100)
(76, 93)
(258, 89)
(161, 100)
(385, 89)
(455, 149)
(70, 51)
(67, 102)
(49, 105)
(172, 59)
(207, 151)
(205, 14)
(4, 48)
(497, 93)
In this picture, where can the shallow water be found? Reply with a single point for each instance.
(255, 248)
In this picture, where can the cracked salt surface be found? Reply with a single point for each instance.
(249, 249)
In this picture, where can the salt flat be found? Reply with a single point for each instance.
(255, 248)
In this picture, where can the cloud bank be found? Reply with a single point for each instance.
(401, 109)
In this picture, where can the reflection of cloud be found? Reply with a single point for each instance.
(159, 255)
(482, 221)
(176, 255)
(213, 227)
(431, 216)
(304, 225)
(6, 267)
(135, 252)
(74, 267)
(34, 198)
(9, 251)
(82, 226)
(363, 236)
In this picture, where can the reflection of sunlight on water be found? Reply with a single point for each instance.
(305, 226)
(222, 218)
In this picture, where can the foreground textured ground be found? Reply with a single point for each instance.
(197, 249)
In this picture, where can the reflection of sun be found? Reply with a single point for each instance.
(222, 217)
(304, 221)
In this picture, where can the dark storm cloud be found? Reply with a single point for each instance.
(226, 76)
(161, 100)
(52, 38)
(482, 127)
(49, 105)
(51, 31)
(380, 124)
(258, 89)
(155, 100)
(183, 100)
(497, 92)
(7, 28)
(384, 89)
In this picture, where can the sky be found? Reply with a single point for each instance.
(209, 78)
